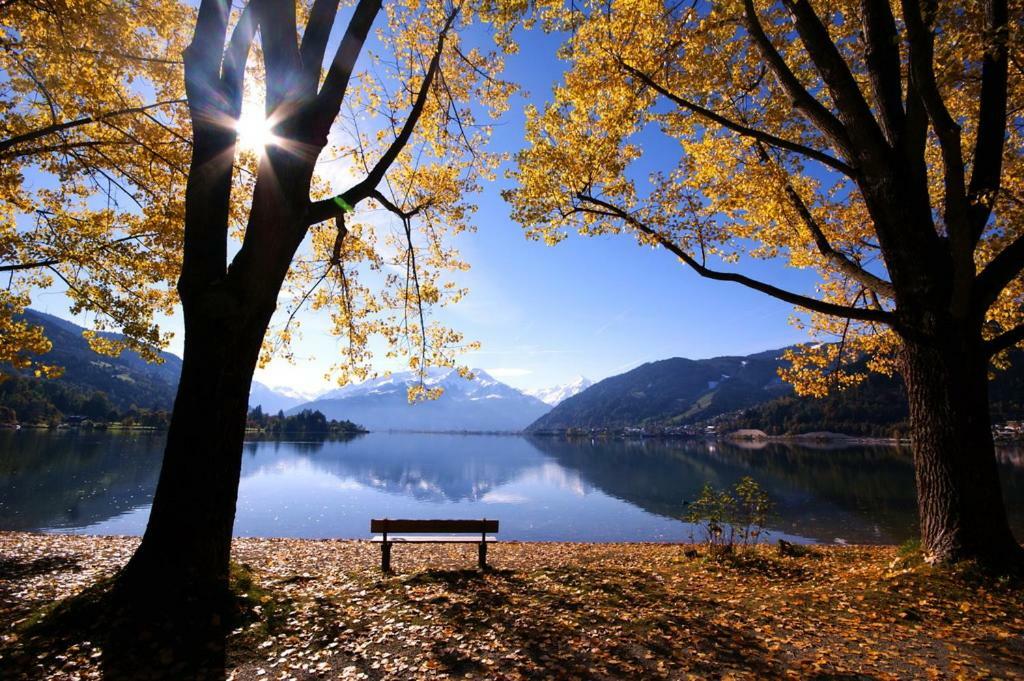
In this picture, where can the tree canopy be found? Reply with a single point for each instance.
(784, 115)
(879, 144)
(95, 169)
(93, 158)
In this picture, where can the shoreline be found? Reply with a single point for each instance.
(498, 541)
(747, 436)
(828, 438)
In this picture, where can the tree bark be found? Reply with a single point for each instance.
(960, 502)
(189, 531)
(176, 586)
(172, 607)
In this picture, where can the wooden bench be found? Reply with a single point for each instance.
(398, 531)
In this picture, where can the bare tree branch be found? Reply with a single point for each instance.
(882, 56)
(328, 102)
(414, 270)
(999, 272)
(314, 39)
(328, 208)
(922, 55)
(204, 54)
(117, 54)
(147, 148)
(988, 145)
(281, 58)
(854, 111)
(812, 304)
(840, 261)
(915, 132)
(803, 100)
(208, 189)
(378, 196)
(236, 56)
(29, 265)
(62, 147)
(49, 262)
(78, 122)
(737, 127)
(1005, 341)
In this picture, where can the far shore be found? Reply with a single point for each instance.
(825, 437)
(747, 438)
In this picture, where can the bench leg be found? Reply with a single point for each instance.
(385, 556)
(482, 556)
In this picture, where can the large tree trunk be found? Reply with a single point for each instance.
(187, 543)
(171, 603)
(177, 583)
(960, 502)
(189, 532)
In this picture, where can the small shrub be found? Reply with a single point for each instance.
(712, 511)
(733, 517)
(752, 509)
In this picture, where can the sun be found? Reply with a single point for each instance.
(255, 131)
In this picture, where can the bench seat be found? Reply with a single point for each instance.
(407, 531)
(437, 539)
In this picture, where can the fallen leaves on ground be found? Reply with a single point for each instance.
(322, 609)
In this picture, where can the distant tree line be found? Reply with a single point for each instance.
(28, 400)
(875, 408)
(792, 416)
(306, 422)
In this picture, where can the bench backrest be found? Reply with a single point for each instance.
(447, 526)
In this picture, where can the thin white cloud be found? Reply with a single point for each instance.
(630, 365)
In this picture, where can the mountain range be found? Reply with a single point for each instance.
(559, 393)
(273, 400)
(479, 404)
(746, 392)
(127, 380)
(733, 391)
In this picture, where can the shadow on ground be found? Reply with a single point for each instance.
(566, 622)
(749, 616)
(160, 639)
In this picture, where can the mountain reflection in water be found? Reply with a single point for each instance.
(540, 488)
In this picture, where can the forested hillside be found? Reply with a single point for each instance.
(673, 391)
(92, 386)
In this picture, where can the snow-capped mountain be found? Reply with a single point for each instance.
(294, 393)
(556, 394)
(480, 404)
(273, 400)
(386, 384)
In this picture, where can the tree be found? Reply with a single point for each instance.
(97, 407)
(417, 160)
(93, 152)
(883, 151)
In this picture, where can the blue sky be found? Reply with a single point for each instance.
(589, 306)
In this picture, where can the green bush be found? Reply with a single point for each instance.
(731, 517)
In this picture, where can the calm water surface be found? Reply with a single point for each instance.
(540, 489)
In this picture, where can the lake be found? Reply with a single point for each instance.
(540, 489)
